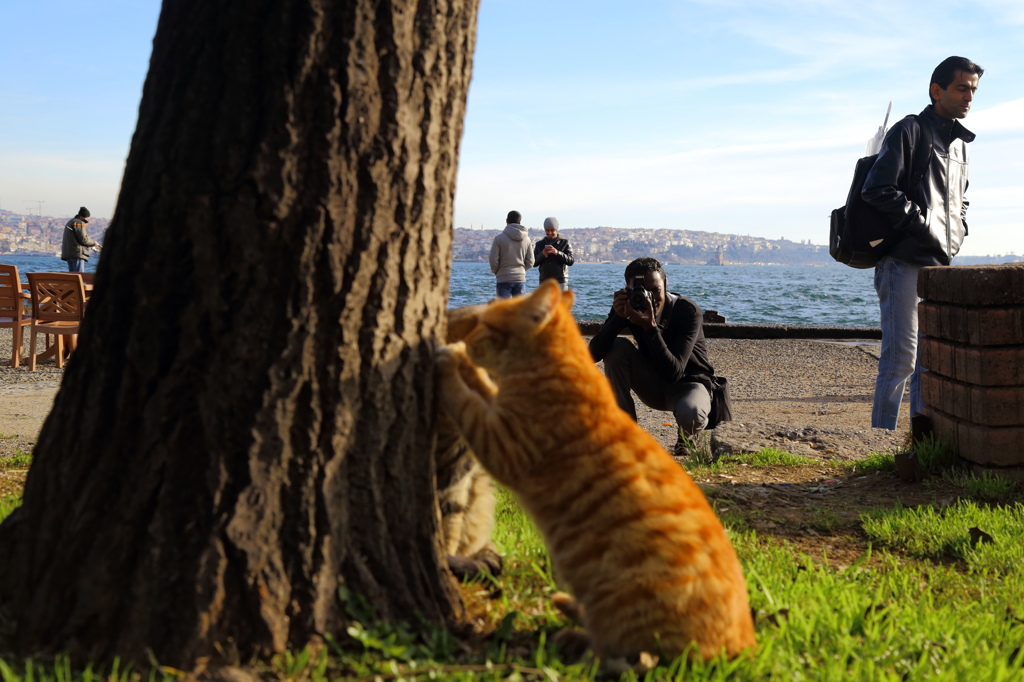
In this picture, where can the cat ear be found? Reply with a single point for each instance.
(540, 305)
(568, 298)
(461, 322)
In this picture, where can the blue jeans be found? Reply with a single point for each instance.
(76, 265)
(627, 368)
(510, 289)
(896, 284)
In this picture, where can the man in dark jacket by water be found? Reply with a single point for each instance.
(930, 210)
(553, 255)
(76, 243)
(669, 367)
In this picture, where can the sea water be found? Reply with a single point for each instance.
(751, 294)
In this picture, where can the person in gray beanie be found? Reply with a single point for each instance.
(76, 243)
(553, 255)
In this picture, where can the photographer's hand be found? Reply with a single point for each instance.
(621, 303)
(643, 319)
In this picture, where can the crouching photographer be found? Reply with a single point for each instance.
(669, 368)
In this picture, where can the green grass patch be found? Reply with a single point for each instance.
(874, 463)
(894, 614)
(930, 600)
(7, 505)
(19, 460)
(984, 538)
(768, 457)
(936, 455)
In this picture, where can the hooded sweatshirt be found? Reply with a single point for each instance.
(511, 254)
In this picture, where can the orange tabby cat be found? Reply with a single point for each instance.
(628, 530)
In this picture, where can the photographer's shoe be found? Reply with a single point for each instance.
(682, 448)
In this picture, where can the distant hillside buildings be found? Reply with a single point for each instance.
(621, 245)
(28, 235)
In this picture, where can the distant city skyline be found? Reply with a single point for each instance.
(736, 116)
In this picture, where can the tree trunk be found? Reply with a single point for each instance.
(248, 420)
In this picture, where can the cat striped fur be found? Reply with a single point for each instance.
(465, 493)
(629, 533)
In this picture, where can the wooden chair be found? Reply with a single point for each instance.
(14, 303)
(58, 299)
(87, 279)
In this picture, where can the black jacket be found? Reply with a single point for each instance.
(932, 210)
(76, 243)
(556, 266)
(676, 346)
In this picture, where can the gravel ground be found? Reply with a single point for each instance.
(805, 397)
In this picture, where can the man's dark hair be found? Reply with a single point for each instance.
(641, 266)
(945, 72)
(514, 217)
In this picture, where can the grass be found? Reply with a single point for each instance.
(7, 505)
(937, 595)
(19, 460)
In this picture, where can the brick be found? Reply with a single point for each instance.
(991, 445)
(989, 365)
(995, 326)
(975, 326)
(975, 285)
(938, 356)
(1014, 473)
(931, 388)
(944, 426)
(997, 406)
(949, 396)
(928, 319)
(952, 322)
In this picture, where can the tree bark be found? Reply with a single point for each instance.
(247, 422)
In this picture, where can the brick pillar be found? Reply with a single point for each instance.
(973, 349)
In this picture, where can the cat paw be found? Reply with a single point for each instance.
(485, 564)
(572, 645)
(568, 605)
(640, 664)
(450, 354)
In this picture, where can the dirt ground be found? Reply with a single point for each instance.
(804, 397)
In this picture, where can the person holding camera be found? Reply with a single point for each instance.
(668, 368)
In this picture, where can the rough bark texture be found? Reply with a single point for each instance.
(247, 422)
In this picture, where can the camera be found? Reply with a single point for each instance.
(637, 295)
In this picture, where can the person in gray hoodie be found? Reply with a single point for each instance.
(511, 257)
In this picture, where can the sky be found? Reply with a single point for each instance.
(735, 116)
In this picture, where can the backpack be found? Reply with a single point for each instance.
(859, 234)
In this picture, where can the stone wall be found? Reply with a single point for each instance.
(972, 319)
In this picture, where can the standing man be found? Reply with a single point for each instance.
(75, 246)
(553, 255)
(930, 209)
(668, 368)
(511, 257)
